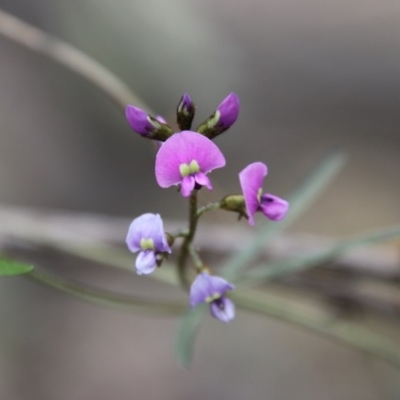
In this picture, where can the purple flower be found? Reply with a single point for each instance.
(228, 111)
(251, 180)
(211, 289)
(146, 235)
(185, 159)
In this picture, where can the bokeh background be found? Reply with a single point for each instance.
(312, 76)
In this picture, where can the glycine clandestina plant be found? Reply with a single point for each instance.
(184, 159)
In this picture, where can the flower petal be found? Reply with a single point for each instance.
(223, 309)
(188, 183)
(273, 207)
(147, 226)
(203, 180)
(251, 180)
(183, 148)
(146, 262)
(161, 119)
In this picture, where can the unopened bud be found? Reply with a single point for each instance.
(146, 125)
(235, 203)
(222, 119)
(185, 113)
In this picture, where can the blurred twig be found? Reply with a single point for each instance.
(51, 226)
(106, 298)
(342, 330)
(312, 315)
(72, 58)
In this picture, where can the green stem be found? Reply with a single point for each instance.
(188, 240)
(179, 234)
(106, 298)
(208, 207)
(196, 259)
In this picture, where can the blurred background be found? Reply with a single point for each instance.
(312, 77)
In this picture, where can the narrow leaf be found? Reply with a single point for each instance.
(107, 298)
(322, 322)
(11, 268)
(186, 335)
(300, 201)
(282, 268)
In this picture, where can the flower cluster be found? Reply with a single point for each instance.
(184, 159)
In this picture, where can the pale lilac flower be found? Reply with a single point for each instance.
(211, 289)
(185, 159)
(146, 235)
(228, 112)
(251, 180)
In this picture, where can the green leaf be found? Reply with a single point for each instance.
(282, 268)
(300, 201)
(186, 335)
(107, 298)
(11, 268)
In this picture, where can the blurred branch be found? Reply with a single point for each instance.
(298, 310)
(83, 229)
(342, 330)
(106, 298)
(279, 269)
(72, 58)
(314, 316)
(350, 295)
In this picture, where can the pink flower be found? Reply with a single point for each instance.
(185, 159)
(251, 180)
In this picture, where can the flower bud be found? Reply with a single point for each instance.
(235, 203)
(146, 125)
(185, 113)
(222, 119)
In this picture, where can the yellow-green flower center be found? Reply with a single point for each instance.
(187, 169)
(259, 193)
(147, 244)
(210, 299)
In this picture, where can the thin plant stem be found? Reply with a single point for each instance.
(188, 240)
(196, 258)
(208, 207)
(40, 42)
(105, 297)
